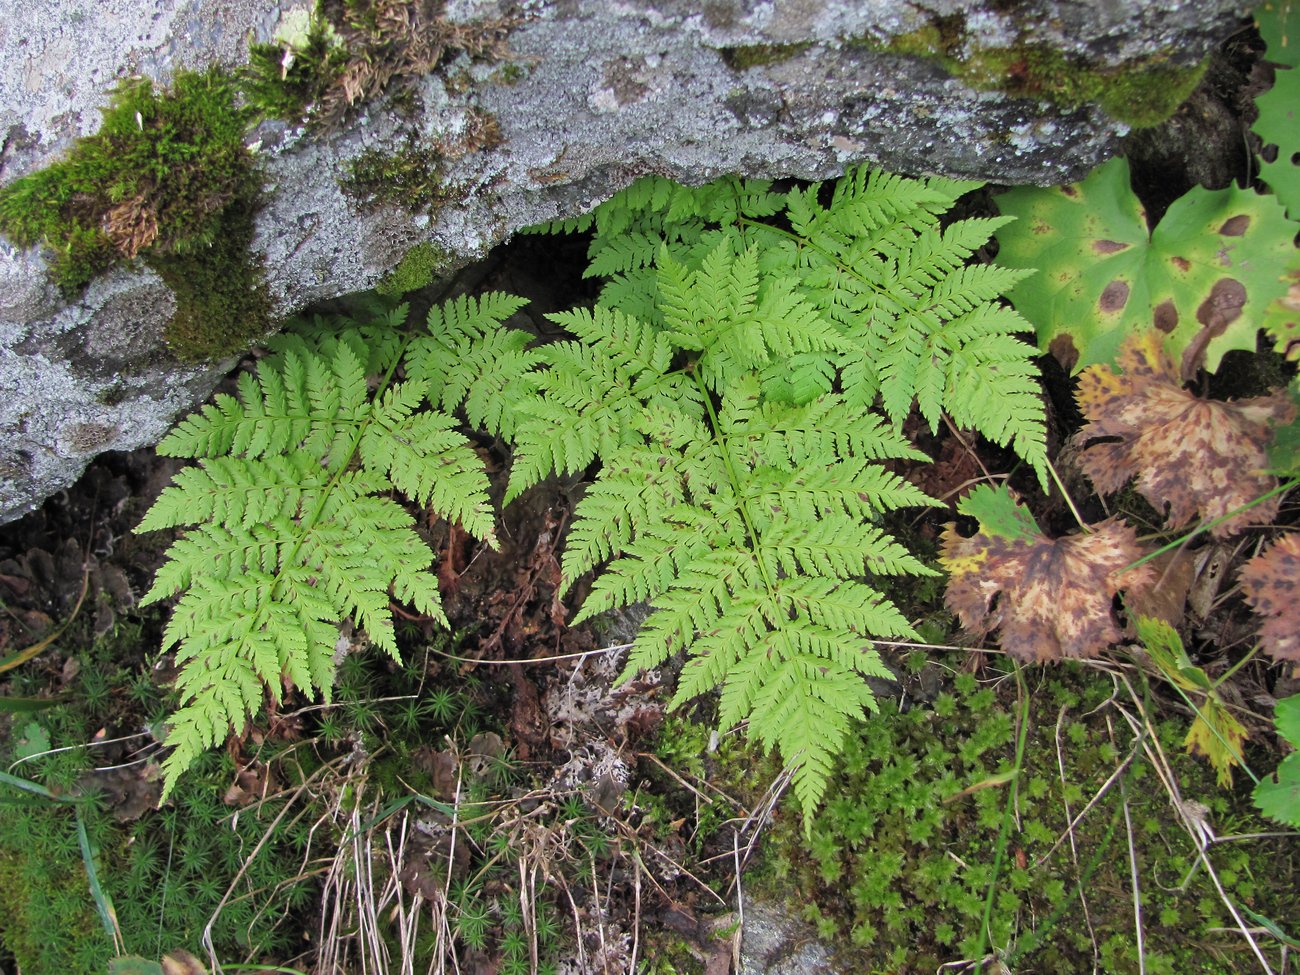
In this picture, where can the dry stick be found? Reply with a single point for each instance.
(739, 935)
(600, 913)
(1074, 850)
(774, 793)
(1132, 869)
(528, 905)
(451, 858)
(396, 861)
(636, 916)
(967, 447)
(1158, 761)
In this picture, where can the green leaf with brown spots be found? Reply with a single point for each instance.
(1279, 795)
(1278, 128)
(1203, 277)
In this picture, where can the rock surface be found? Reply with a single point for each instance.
(774, 943)
(604, 93)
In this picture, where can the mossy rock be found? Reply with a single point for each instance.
(166, 179)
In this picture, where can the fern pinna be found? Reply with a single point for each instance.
(726, 381)
(294, 528)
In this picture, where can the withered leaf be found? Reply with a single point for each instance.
(1050, 597)
(1271, 582)
(182, 963)
(1194, 454)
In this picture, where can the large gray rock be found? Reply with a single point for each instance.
(610, 92)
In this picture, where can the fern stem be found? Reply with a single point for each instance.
(736, 484)
(308, 523)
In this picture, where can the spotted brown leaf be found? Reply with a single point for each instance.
(1051, 598)
(1271, 582)
(1191, 454)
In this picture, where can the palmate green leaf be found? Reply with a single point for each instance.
(1278, 796)
(999, 514)
(1278, 126)
(1203, 276)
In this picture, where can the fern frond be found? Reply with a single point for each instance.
(590, 402)
(639, 483)
(470, 359)
(231, 491)
(294, 532)
(302, 402)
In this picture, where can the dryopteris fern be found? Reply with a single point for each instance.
(916, 324)
(725, 381)
(294, 526)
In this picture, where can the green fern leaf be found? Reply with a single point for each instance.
(293, 527)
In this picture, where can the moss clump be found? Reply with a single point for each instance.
(1141, 93)
(168, 179)
(285, 78)
(755, 55)
(416, 270)
(900, 863)
(410, 178)
(222, 305)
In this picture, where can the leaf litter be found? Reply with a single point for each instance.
(1051, 598)
(1193, 455)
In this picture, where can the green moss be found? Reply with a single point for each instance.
(1141, 93)
(167, 179)
(285, 78)
(755, 55)
(510, 74)
(409, 179)
(416, 270)
(900, 862)
(222, 305)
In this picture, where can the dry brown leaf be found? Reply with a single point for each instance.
(1050, 597)
(182, 963)
(1271, 582)
(1192, 454)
